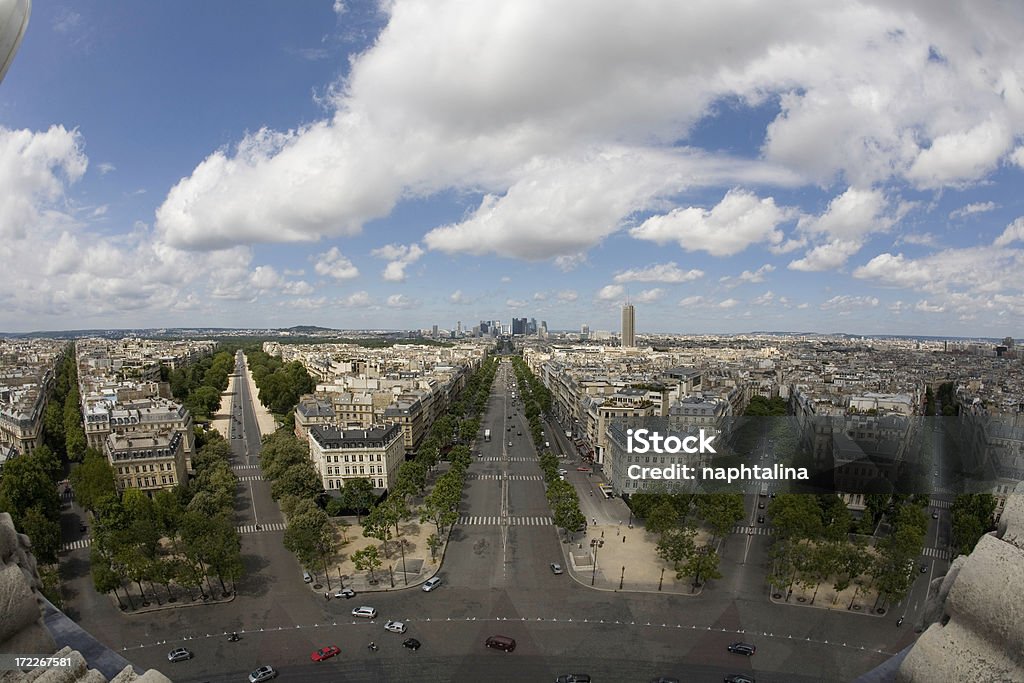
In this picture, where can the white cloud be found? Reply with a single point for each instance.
(925, 307)
(105, 168)
(925, 239)
(728, 303)
(611, 292)
(360, 299)
(570, 262)
(961, 155)
(298, 288)
(540, 296)
(738, 221)
(846, 302)
(569, 118)
(979, 271)
(457, 297)
(649, 295)
(975, 207)
(764, 299)
(691, 301)
(515, 303)
(661, 272)
(852, 215)
(568, 295)
(334, 264)
(307, 304)
(748, 276)
(400, 301)
(828, 256)
(339, 7)
(1014, 232)
(400, 257)
(1017, 156)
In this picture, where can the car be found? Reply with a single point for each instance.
(345, 593)
(760, 519)
(665, 679)
(325, 653)
(935, 514)
(760, 506)
(742, 648)
(509, 443)
(431, 583)
(411, 643)
(395, 626)
(82, 527)
(518, 433)
(924, 568)
(509, 428)
(738, 678)
(581, 468)
(365, 612)
(556, 568)
(179, 654)
(501, 643)
(573, 678)
(264, 673)
(563, 472)
(307, 577)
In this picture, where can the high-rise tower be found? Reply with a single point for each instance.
(628, 325)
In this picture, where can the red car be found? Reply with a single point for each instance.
(582, 469)
(325, 653)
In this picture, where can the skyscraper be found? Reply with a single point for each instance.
(628, 325)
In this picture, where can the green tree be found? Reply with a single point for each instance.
(43, 532)
(93, 480)
(367, 559)
(702, 565)
(434, 543)
(720, 511)
(358, 495)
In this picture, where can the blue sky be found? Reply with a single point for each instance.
(400, 164)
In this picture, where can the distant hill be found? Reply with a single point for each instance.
(308, 329)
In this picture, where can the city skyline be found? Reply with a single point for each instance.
(358, 166)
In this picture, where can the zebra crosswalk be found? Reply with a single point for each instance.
(498, 458)
(937, 553)
(493, 520)
(944, 504)
(753, 530)
(75, 545)
(245, 467)
(511, 477)
(251, 528)
(251, 477)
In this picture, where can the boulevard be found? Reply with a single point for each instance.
(496, 580)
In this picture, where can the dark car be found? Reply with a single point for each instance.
(742, 649)
(665, 679)
(935, 514)
(573, 678)
(738, 678)
(760, 506)
(82, 526)
(411, 643)
(924, 568)
(760, 519)
(501, 643)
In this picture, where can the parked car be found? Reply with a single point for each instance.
(325, 653)
(345, 593)
(742, 649)
(664, 679)
(573, 678)
(179, 654)
(411, 643)
(431, 583)
(556, 568)
(365, 612)
(395, 626)
(264, 673)
(582, 468)
(738, 678)
(307, 577)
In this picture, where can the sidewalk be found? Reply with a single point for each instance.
(418, 564)
(627, 561)
(222, 420)
(264, 420)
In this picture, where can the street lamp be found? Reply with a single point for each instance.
(594, 545)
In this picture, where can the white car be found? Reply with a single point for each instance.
(563, 472)
(395, 626)
(431, 584)
(345, 593)
(365, 612)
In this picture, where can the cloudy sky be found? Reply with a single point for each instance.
(726, 165)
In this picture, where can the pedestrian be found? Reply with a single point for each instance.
(623, 538)
(327, 596)
(899, 622)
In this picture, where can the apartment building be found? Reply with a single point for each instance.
(148, 462)
(340, 455)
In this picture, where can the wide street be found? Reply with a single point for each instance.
(496, 581)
